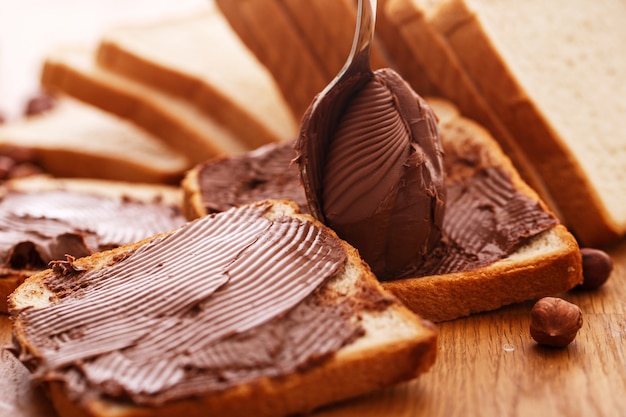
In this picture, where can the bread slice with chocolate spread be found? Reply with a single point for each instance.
(276, 317)
(489, 204)
(43, 219)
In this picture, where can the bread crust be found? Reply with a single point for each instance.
(397, 346)
(410, 23)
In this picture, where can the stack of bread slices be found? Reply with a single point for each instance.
(235, 76)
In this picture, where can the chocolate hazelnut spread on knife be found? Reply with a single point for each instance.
(223, 300)
(39, 227)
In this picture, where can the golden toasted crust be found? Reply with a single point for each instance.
(397, 346)
(77, 140)
(193, 206)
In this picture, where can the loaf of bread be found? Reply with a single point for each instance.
(552, 74)
(210, 334)
(72, 70)
(541, 261)
(43, 219)
(74, 139)
(205, 63)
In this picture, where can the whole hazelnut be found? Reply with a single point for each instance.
(597, 267)
(555, 322)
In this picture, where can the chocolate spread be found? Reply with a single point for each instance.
(266, 173)
(39, 227)
(374, 173)
(486, 219)
(223, 300)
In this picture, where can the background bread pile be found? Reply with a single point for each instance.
(547, 90)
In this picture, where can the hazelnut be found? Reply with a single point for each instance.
(555, 322)
(597, 267)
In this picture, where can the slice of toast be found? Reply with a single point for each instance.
(560, 94)
(72, 70)
(200, 58)
(45, 218)
(545, 262)
(336, 334)
(74, 139)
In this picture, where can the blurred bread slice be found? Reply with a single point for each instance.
(287, 37)
(200, 59)
(74, 139)
(269, 33)
(162, 198)
(72, 70)
(545, 264)
(560, 94)
(393, 345)
(425, 54)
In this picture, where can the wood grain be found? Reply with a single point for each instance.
(487, 366)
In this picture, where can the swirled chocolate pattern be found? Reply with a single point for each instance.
(39, 227)
(265, 173)
(175, 317)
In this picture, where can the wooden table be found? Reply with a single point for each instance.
(487, 366)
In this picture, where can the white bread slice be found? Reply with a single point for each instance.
(427, 55)
(396, 346)
(200, 58)
(72, 70)
(552, 74)
(163, 195)
(74, 139)
(547, 264)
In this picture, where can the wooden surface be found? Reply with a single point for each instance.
(487, 366)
